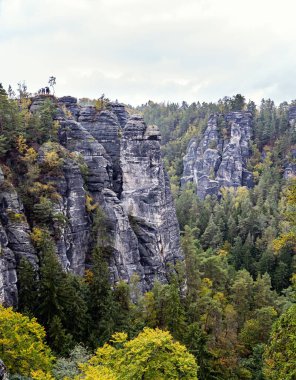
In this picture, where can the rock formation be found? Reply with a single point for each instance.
(147, 199)
(113, 161)
(15, 241)
(3, 373)
(126, 177)
(219, 159)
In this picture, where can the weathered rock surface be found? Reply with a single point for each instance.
(72, 221)
(39, 100)
(68, 105)
(219, 159)
(15, 241)
(115, 163)
(127, 179)
(3, 373)
(119, 110)
(147, 199)
(105, 128)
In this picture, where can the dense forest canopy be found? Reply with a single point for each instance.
(229, 304)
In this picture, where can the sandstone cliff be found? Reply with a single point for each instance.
(113, 160)
(219, 158)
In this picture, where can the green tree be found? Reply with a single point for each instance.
(242, 295)
(212, 237)
(10, 122)
(27, 287)
(280, 353)
(101, 300)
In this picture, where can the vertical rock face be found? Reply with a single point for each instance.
(8, 278)
(73, 232)
(147, 199)
(14, 239)
(119, 110)
(220, 158)
(104, 127)
(115, 163)
(129, 183)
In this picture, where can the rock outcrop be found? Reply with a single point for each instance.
(110, 165)
(3, 373)
(14, 239)
(126, 177)
(147, 199)
(219, 159)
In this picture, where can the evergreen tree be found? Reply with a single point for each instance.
(60, 341)
(212, 237)
(76, 306)
(101, 301)
(27, 287)
(280, 354)
(52, 290)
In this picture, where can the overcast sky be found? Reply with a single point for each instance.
(163, 50)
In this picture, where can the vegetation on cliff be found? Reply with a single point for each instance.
(230, 303)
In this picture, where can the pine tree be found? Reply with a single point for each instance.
(76, 317)
(101, 301)
(27, 287)
(122, 307)
(212, 237)
(53, 292)
(60, 341)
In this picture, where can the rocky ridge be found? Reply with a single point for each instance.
(113, 161)
(220, 158)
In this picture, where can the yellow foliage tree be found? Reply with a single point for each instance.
(288, 236)
(153, 354)
(52, 160)
(22, 346)
(41, 375)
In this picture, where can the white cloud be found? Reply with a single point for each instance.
(136, 50)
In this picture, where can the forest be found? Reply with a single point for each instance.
(228, 310)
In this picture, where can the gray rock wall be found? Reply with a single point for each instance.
(116, 162)
(132, 188)
(220, 158)
(147, 199)
(15, 241)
